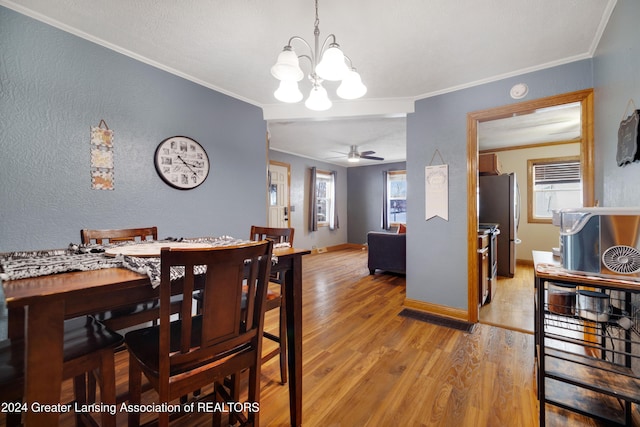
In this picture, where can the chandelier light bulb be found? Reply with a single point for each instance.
(318, 99)
(288, 92)
(332, 67)
(287, 67)
(351, 86)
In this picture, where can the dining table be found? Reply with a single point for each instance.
(37, 307)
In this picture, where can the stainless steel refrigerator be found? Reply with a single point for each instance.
(499, 202)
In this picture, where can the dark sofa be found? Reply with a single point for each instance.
(387, 251)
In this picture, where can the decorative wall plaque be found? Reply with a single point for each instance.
(101, 157)
(628, 139)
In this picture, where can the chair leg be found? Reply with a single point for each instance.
(80, 393)
(135, 390)
(14, 419)
(107, 385)
(283, 340)
(253, 417)
(216, 416)
(234, 394)
(163, 419)
(91, 389)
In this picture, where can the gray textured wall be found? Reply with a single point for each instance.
(437, 249)
(300, 180)
(617, 81)
(54, 86)
(365, 199)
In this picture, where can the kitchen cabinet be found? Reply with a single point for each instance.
(489, 164)
(587, 343)
(483, 266)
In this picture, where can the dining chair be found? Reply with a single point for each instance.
(275, 298)
(100, 237)
(88, 348)
(128, 315)
(203, 349)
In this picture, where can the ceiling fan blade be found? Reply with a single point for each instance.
(371, 157)
(367, 153)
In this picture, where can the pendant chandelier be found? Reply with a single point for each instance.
(327, 63)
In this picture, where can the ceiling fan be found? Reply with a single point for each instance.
(355, 156)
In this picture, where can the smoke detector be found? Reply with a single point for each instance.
(519, 91)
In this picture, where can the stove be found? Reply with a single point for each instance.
(493, 231)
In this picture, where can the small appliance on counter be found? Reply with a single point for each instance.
(600, 241)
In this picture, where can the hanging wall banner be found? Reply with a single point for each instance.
(101, 157)
(437, 191)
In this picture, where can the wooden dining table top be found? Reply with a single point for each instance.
(21, 292)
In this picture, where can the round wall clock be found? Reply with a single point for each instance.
(181, 162)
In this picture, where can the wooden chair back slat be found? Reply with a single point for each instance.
(88, 236)
(278, 235)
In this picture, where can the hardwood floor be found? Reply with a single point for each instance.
(364, 365)
(512, 305)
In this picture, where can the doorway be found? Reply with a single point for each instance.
(585, 98)
(278, 207)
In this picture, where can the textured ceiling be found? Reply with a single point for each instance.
(404, 50)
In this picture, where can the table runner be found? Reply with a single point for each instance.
(25, 264)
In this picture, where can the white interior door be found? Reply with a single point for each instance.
(278, 209)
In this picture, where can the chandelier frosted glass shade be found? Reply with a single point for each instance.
(318, 99)
(287, 66)
(351, 86)
(288, 92)
(332, 67)
(328, 63)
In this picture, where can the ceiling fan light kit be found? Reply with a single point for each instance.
(353, 156)
(331, 67)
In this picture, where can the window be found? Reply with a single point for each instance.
(325, 203)
(553, 184)
(396, 197)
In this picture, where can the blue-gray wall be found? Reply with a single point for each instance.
(54, 86)
(365, 199)
(299, 218)
(437, 249)
(616, 66)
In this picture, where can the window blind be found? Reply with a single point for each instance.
(555, 173)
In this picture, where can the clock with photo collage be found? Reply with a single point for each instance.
(182, 162)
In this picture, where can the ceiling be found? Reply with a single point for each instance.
(404, 51)
(551, 124)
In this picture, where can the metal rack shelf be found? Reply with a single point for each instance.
(588, 347)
